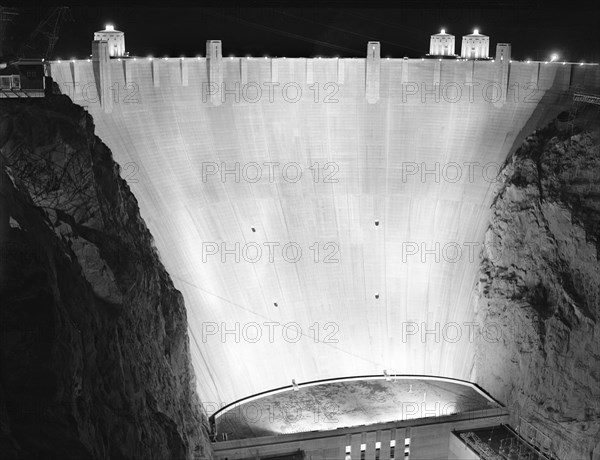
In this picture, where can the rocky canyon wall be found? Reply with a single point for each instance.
(539, 288)
(94, 349)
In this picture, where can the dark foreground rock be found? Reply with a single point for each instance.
(94, 347)
(540, 285)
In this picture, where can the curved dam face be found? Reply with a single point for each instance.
(263, 204)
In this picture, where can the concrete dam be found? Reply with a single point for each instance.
(323, 217)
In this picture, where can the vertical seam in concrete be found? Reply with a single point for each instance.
(355, 446)
(340, 71)
(400, 436)
(385, 438)
(244, 71)
(309, 72)
(108, 83)
(437, 73)
(75, 77)
(571, 72)
(567, 76)
(535, 74)
(101, 63)
(274, 71)
(184, 72)
(125, 65)
(470, 72)
(403, 74)
(155, 73)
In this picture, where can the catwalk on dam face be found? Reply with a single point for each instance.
(322, 217)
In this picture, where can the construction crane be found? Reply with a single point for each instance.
(47, 30)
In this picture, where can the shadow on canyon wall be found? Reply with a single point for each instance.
(540, 285)
(94, 348)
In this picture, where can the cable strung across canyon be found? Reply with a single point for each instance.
(339, 29)
(285, 34)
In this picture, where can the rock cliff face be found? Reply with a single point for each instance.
(94, 346)
(539, 289)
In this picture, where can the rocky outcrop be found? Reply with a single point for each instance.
(539, 289)
(95, 359)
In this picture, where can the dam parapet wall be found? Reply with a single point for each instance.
(245, 80)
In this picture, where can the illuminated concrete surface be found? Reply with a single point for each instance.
(442, 44)
(161, 129)
(337, 404)
(428, 439)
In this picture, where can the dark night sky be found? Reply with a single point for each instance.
(275, 29)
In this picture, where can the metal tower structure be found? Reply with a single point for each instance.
(46, 31)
